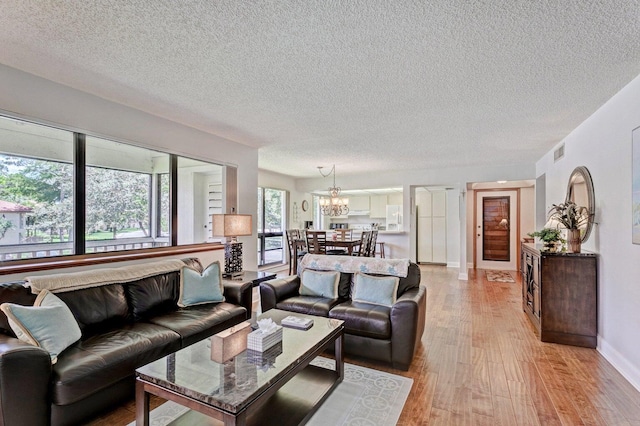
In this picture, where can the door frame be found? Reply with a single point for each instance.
(262, 236)
(475, 223)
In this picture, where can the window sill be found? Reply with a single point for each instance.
(43, 264)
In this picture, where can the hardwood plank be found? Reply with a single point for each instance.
(499, 386)
(539, 395)
(503, 414)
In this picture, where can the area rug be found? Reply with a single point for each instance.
(365, 397)
(500, 277)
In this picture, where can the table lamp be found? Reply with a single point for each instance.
(232, 226)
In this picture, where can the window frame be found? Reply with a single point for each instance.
(80, 256)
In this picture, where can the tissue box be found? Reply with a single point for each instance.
(259, 341)
(230, 342)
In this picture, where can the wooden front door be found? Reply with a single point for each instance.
(496, 229)
(495, 226)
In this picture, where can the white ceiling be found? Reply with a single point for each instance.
(370, 85)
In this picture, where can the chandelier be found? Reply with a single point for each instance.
(334, 205)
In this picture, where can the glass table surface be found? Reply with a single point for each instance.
(232, 385)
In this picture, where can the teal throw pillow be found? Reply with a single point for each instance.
(48, 324)
(319, 283)
(198, 289)
(375, 290)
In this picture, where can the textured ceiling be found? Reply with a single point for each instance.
(370, 85)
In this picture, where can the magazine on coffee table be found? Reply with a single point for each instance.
(297, 322)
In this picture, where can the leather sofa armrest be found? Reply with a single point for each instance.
(25, 376)
(407, 326)
(239, 293)
(273, 291)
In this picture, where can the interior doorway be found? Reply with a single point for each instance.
(496, 226)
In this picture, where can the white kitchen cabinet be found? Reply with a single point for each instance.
(359, 203)
(395, 198)
(431, 209)
(378, 206)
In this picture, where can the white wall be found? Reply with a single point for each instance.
(31, 97)
(453, 228)
(527, 211)
(603, 144)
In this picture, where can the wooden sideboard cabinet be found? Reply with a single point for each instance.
(560, 295)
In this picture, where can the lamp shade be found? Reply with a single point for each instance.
(231, 225)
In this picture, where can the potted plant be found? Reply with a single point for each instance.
(572, 217)
(550, 238)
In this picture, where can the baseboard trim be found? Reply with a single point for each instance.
(453, 264)
(463, 276)
(619, 362)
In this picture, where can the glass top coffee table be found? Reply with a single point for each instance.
(277, 386)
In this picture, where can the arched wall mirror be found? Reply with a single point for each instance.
(580, 191)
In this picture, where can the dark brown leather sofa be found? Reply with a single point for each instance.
(388, 334)
(124, 326)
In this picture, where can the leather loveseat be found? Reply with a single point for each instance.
(389, 334)
(124, 326)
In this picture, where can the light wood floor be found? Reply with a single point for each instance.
(481, 364)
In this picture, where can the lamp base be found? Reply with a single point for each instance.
(232, 259)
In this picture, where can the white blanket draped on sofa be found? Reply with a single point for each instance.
(58, 283)
(353, 264)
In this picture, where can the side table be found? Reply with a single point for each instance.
(256, 277)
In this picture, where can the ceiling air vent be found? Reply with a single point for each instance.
(558, 153)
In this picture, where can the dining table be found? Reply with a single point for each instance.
(348, 244)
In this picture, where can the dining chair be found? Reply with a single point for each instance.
(372, 244)
(365, 241)
(317, 243)
(344, 234)
(296, 248)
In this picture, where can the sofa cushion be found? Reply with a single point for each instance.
(376, 290)
(412, 280)
(101, 360)
(49, 324)
(319, 283)
(364, 319)
(344, 286)
(195, 323)
(153, 295)
(16, 293)
(197, 288)
(310, 305)
(97, 308)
